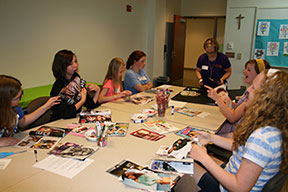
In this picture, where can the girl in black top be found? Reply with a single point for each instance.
(65, 68)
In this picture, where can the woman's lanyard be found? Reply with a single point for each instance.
(211, 66)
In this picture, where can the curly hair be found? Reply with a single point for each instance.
(268, 108)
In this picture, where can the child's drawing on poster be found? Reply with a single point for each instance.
(259, 54)
(272, 48)
(283, 31)
(263, 28)
(285, 49)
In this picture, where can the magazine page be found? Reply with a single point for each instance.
(160, 126)
(147, 180)
(50, 131)
(29, 141)
(122, 167)
(141, 99)
(46, 143)
(148, 135)
(80, 131)
(92, 116)
(191, 112)
(73, 150)
(117, 129)
(189, 132)
(71, 91)
(172, 166)
(166, 153)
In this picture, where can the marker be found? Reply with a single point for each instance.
(35, 153)
(172, 111)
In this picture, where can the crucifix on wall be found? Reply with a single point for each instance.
(239, 20)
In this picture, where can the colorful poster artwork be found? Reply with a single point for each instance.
(272, 48)
(285, 49)
(263, 28)
(283, 31)
(259, 54)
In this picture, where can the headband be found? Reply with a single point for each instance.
(260, 64)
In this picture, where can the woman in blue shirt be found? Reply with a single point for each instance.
(136, 80)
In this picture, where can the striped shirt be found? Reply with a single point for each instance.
(263, 147)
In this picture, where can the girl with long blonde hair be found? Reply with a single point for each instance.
(112, 85)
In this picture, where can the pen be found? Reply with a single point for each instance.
(35, 153)
(172, 110)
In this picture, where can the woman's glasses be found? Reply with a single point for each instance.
(19, 97)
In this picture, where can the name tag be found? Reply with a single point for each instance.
(204, 67)
(143, 78)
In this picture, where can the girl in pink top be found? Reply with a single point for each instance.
(112, 85)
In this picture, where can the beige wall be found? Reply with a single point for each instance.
(203, 8)
(32, 31)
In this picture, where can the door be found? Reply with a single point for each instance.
(178, 53)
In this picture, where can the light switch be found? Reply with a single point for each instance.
(239, 56)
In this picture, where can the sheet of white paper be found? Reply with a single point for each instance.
(203, 114)
(177, 103)
(63, 166)
(164, 86)
(4, 163)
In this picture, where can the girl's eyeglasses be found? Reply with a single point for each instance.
(19, 97)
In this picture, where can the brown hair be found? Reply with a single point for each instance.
(256, 67)
(62, 60)
(269, 108)
(135, 56)
(9, 88)
(211, 41)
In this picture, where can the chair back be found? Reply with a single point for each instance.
(276, 183)
(35, 104)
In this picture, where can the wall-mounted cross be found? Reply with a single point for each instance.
(239, 20)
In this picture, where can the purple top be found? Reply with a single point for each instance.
(213, 70)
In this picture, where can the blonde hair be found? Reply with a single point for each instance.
(268, 108)
(112, 72)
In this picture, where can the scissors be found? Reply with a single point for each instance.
(5, 154)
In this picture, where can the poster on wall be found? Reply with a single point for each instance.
(283, 32)
(271, 41)
(272, 48)
(259, 53)
(263, 28)
(285, 49)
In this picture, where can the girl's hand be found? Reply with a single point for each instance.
(8, 141)
(126, 93)
(93, 87)
(197, 153)
(52, 101)
(203, 137)
(83, 94)
(211, 93)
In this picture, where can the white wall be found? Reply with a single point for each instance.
(32, 31)
(243, 38)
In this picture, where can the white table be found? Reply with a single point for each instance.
(21, 176)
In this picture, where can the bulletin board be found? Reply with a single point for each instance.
(271, 37)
